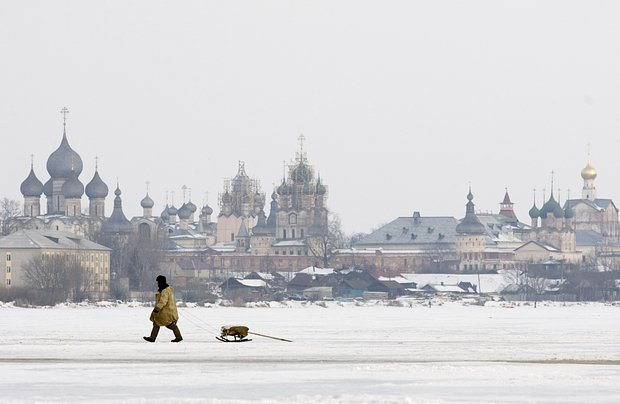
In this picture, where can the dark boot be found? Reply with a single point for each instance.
(177, 334)
(154, 333)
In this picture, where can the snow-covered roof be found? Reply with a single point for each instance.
(588, 238)
(597, 204)
(49, 240)
(489, 283)
(413, 230)
(446, 288)
(289, 243)
(398, 279)
(499, 250)
(224, 247)
(317, 271)
(372, 251)
(319, 289)
(264, 275)
(186, 234)
(253, 283)
(542, 245)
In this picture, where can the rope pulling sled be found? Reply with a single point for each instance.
(238, 332)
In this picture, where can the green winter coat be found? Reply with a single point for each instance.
(166, 308)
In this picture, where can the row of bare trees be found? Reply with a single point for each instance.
(57, 278)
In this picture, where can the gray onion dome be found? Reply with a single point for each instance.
(31, 185)
(470, 224)
(147, 202)
(63, 161)
(226, 198)
(549, 207)
(534, 212)
(73, 187)
(192, 208)
(172, 210)
(284, 189)
(164, 214)
(96, 188)
(207, 210)
(184, 212)
(569, 213)
(48, 187)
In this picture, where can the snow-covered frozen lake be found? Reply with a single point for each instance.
(341, 353)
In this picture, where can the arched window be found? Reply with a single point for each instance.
(144, 231)
(292, 218)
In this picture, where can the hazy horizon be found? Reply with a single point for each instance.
(403, 104)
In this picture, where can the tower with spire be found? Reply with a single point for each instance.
(534, 213)
(470, 238)
(588, 174)
(593, 218)
(117, 224)
(507, 208)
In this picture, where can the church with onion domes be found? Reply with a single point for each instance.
(63, 193)
(593, 221)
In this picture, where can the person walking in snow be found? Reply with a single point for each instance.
(165, 312)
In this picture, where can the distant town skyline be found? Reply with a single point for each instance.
(403, 105)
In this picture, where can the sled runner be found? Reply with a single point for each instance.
(232, 340)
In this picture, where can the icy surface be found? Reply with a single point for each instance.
(341, 353)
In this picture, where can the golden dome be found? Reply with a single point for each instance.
(588, 172)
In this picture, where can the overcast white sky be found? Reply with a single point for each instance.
(402, 103)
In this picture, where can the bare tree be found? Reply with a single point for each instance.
(438, 257)
(324, 245)
(354, 238)
(144, 257)
(537, 284)
(46, 273)
(8, 208)
(61, 276)
(515, 276)
(595, 277)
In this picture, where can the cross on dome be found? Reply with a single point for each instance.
(64, 111)
(301, 155)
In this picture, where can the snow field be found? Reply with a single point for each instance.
(341, 353)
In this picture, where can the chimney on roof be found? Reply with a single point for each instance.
(416, 217)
